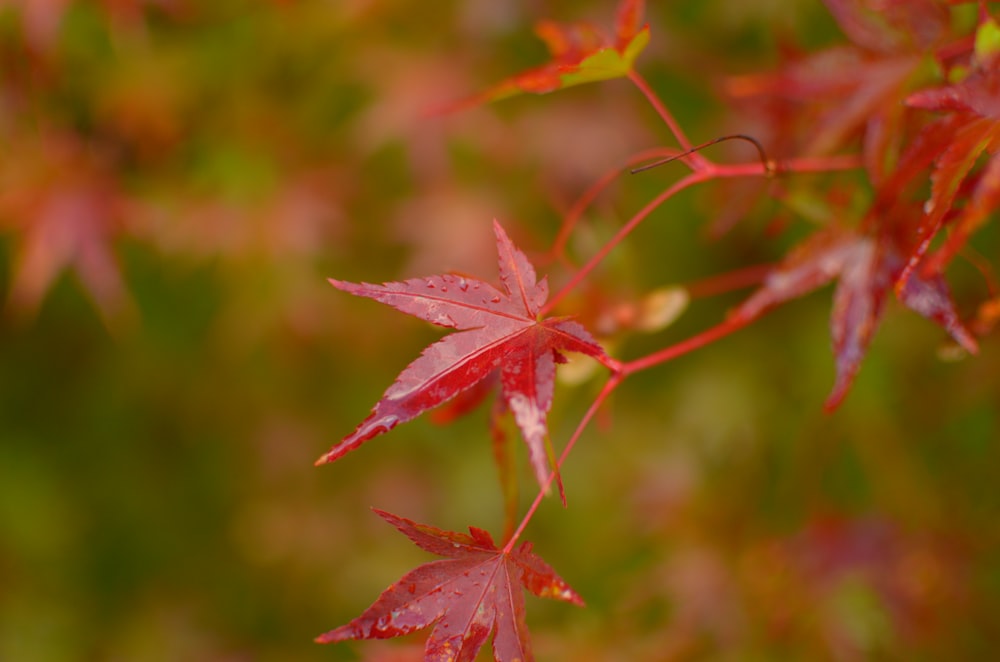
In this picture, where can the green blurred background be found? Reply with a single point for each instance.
(177, 180)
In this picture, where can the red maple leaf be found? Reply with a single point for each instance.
(866, 268)
(901, 147)
(499, 330)
(891, 25)
(581, 53)
(472, 594)
(827, 100)
(66, 210)
(970, 130)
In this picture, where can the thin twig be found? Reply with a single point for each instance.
(765, 162)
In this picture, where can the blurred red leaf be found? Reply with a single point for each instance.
(838, 94)
(983, 200)
(972, 130)
(866, 268)
(821, 102)
(891, 25)
(498, 330)
(65, 208)
(581, 53)
(979, 93)
(473, 594)
(919, 580)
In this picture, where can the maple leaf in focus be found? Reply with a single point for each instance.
(499, 330)
(472, 594)
(581, 53)
(866, 268)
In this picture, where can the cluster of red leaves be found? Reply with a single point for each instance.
(962, 195)
(502, 337)
(873, 97)
(874, 93)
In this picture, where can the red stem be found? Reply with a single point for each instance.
(587, 198)
(703, 170)
(623, 231)
(609, 386)
(694, 342)
(665, 115)
(708, 172)
(625, 369)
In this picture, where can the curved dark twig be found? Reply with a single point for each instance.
(769, 168)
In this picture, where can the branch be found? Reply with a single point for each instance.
(609, 386)
(690, 180)
(679, 349)
(665, 115)
(588, 196)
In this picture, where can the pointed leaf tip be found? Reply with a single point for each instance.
(929, 296)
(628, 21)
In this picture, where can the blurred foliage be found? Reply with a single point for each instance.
(177, 179)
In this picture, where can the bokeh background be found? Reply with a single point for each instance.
(177, 180)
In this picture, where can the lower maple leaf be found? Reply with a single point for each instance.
(467, 597)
